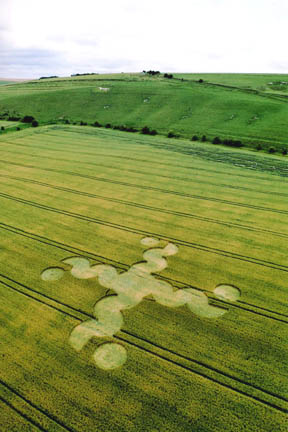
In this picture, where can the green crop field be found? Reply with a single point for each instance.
(8, 124)
(250, 108)
(143, 281)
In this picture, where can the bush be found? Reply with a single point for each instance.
(271, 150)
(2, 128)
(203, 139)
(145, 130)
(169, 76)
(35, 123)
(82, 123)
(108, 126)
(259, 147)
(97, 124)
(131, 129)
(152, 72)
(195, 138)
(284, 152)
(67, 121)
(201, 81)
(216, 140)
(171, 134)
(27, 119)
(232, 143)
(153, 132)
(17, 128)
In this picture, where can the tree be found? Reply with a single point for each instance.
(203, 139)
(216, 140)
(27, 119)
(271, 150)
(284, 152)
(35, 123)
(145, 130)
(195, 138)
(171, 134)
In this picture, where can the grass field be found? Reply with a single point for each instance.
(8, 124)
(69, 191)
(269, 83)
(6, 82)
(231, 106)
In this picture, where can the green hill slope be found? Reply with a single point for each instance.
(182, 104)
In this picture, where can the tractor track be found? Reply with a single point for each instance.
(122, 266)
(157, 163)
(21, 414)
(146, 207)
(162, 357)
(221, 252)
(151, 188)
(51, 417)
(183, 179)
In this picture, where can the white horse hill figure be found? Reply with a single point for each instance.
(131, 287)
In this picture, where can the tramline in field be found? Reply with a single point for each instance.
(79, 208)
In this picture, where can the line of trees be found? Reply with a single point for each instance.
(48, 77)
(151, 72)
(86, 73)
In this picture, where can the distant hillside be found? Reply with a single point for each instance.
(3, 81)
(245, 107)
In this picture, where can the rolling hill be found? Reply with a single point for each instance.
(241, 107)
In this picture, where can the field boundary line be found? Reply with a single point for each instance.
(175, 363)
(203, 248)
(147, 207)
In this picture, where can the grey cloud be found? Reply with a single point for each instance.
(18, 63)
(30, 62)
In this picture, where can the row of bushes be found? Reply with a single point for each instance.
(171, 134)
(16, 118)
(145, 130)
(272, 150)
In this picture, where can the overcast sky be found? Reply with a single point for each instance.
(60, 37)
